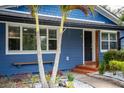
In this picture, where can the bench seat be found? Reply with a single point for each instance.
(30, 63)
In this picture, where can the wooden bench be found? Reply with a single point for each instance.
(30, 63)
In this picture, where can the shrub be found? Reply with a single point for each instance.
(113, 55)
(113, 66)
(116, 66)
(102, 68)
(110, 55)
(120, 56)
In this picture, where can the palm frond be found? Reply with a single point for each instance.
(84, 8)
(34, 9)
(91, 8)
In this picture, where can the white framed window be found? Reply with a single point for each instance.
(14, 38)
(21, 39)
(108, 40)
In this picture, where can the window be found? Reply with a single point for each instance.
(43, 35)
(52, 40)
(22, 38)
(14, 38)
(29, 39)
(108, 41)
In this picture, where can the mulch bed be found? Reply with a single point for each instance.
(19, 81)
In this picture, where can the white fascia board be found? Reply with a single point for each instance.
(7, 6)
(44, 16)
(107, 14)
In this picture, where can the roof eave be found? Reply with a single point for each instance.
(107, 14)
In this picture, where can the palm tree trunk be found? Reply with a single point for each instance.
(57, 57)
(39, 54)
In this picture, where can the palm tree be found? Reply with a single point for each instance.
(65, 9)
(34, 13)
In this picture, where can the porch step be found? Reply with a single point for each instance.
(90, 63)
(77, 70)
(87, 67)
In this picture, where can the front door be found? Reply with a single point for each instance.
(88, 45)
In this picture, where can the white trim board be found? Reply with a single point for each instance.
(93, 44)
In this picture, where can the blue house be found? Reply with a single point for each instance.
(85, 38)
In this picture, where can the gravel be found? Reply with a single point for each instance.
(118, 75)
(79, 84)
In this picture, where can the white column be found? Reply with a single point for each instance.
(83, 49)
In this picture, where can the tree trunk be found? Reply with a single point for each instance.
(58, 54)
(39, 54)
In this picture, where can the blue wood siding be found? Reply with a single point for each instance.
(122, 41)
(71, 47)
(55, 10)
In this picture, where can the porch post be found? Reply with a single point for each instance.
(83, 49)
(97, 47)
(119, 41)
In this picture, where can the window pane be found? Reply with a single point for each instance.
(104, 45)
(43, 42)
(112, 36)
(52, 45)
(29, 39)
(113, 45)
(43, 36)
(52, 33)
(14, 44)
(104, 36)
(43, 32)
(14, 31)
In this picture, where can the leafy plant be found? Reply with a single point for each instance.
(102, 68)
(114, 66)
(110, 55)
(70, 77)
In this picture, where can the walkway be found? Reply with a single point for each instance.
(97, 83)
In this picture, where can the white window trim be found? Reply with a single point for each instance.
(21, 51)
(106, 31)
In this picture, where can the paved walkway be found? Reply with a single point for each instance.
(97, 83)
